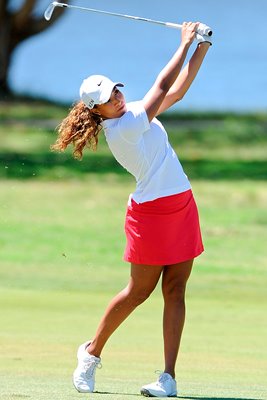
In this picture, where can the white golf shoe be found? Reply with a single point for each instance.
(165, 386)
(84, 374)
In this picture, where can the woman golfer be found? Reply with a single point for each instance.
(162, 225)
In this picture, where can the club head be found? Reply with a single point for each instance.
(49, 11)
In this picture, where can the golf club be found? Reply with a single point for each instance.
(202, 28)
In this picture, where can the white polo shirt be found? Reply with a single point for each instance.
(144, 150)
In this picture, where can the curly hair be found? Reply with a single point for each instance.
(80, 128)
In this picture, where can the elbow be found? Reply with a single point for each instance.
(163, 84)
(179, 97)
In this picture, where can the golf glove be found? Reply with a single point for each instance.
(203, 38)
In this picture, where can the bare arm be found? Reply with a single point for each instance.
(185, 78)
(156, 95)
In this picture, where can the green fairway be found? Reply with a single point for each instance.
(61, 246)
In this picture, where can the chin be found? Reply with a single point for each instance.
(123, 111)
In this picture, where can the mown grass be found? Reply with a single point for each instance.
(61, 248)
(61, 245)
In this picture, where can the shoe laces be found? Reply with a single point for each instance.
(163, 377)
(90, 367)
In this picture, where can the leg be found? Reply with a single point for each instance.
(143, 281)
(174, 281)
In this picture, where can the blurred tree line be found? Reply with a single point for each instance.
(17, 25)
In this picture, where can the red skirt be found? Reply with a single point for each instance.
(164, 231)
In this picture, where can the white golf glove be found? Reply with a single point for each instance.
(203, 38)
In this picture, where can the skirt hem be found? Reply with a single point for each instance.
(169, 262)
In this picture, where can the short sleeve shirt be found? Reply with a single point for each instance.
(143, 149)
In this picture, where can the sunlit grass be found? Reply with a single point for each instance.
(61, 261)
(61, 246)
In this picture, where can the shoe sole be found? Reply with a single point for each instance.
(146, 393)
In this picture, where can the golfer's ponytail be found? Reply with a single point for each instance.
(80, 128)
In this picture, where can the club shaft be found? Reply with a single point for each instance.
(167, 24)
(202, 28)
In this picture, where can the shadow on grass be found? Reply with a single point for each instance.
(51, 165)
(119, 394)
(180, 397)
(216, 398)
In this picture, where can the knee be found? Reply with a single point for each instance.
(174, 293)
(137, 297)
